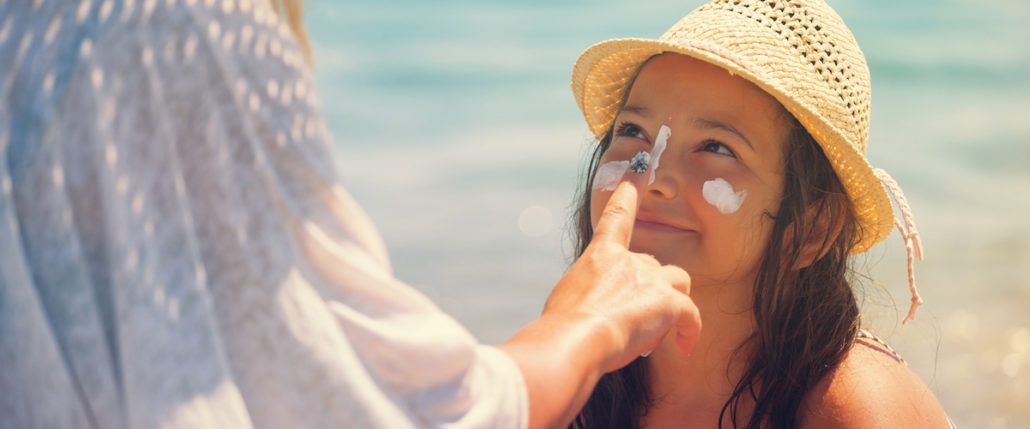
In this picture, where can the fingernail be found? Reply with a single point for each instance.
(639, 162)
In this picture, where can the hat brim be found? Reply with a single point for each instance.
(603, 72)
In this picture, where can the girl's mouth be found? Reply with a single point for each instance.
(653, 224)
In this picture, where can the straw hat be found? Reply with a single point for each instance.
(798, 51)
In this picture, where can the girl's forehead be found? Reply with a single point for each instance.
(675, 74)
(674, 84)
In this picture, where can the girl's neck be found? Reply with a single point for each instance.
(690, 391)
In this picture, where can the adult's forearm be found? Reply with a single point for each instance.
(561, 358)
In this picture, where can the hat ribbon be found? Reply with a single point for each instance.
(907, 229)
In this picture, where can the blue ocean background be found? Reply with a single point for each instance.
(456, 129)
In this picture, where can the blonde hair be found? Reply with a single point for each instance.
(292, 11)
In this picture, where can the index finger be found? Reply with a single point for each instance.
(620, 213)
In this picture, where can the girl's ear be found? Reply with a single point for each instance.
(825, 221)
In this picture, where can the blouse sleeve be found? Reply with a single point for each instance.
(176, 249)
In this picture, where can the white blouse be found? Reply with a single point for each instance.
(176, 249)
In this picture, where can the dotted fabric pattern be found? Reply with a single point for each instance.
(799, 51)
(177, 251)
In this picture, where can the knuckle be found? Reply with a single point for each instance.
(646, 259)
(602, 249)
(616, 210)
(682, 278)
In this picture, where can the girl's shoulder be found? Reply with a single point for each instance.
(872, 387)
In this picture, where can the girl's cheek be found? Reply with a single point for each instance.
(720, 194)
(722, 185)
(624, 148)
(609, 174)
(614, 163)
(599, 198)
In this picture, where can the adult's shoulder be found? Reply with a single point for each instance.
(871, 388)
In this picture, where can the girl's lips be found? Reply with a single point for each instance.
(657, 226)
(653, 221)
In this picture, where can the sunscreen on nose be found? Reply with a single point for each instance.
(659, 146)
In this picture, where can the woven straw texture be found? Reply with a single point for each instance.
(798, 51)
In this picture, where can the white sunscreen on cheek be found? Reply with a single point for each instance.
(659, 146)
(609, 174)
(719, 193)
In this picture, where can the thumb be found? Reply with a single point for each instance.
(620, 213)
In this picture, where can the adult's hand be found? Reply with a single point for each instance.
(611, 306)
(635, 295)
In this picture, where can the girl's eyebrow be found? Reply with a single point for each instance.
(638, 110)
(706, 124)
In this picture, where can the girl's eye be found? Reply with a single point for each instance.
(719, 148)
(628, 129)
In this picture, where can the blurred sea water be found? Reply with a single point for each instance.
(456, 130)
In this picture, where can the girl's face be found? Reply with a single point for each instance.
(723, 127)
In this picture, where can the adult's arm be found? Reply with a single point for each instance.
(176, 248)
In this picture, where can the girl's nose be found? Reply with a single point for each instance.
(666, 184)
(662, 185)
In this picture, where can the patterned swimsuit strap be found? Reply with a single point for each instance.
(878, 344)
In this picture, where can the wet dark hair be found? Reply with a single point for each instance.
(806, 319)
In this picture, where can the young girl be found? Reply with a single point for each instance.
(754, 117)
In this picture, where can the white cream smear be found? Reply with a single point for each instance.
(719, 193)
(610, 173)
(659, 146)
